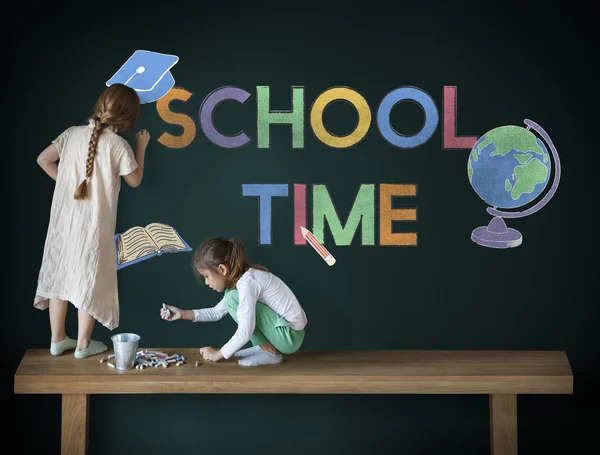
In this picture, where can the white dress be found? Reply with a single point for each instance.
(79, 261)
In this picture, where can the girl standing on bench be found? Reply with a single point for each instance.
(78, 263)
(267, 312)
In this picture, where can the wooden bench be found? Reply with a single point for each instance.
(500, 374)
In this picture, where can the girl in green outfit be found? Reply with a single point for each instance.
(267, 312)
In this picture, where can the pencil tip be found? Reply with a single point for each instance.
(303, 230)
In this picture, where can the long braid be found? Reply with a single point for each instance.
(117, 108)
(81, 191)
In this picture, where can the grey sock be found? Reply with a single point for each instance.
(248, 351)
(261, 358)
(62, 346)
(95, 347)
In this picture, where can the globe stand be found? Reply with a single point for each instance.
(497, 235)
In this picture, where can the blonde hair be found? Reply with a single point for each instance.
(218, 250)
(117, 108)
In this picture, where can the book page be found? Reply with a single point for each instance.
(134, 244)
(165, 237)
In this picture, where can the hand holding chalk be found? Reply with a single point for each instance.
(170, 313)
(141, 140)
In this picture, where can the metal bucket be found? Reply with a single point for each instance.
(125, 346)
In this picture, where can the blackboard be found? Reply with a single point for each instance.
(439, 291)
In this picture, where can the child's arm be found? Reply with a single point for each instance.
(47, 160)
(172, 313)
(210, 314)
(202, 315)
(134, 178)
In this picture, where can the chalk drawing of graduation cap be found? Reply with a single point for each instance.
(148, 73)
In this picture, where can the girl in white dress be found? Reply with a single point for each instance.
(79, 258)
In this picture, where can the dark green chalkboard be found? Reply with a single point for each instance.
(445, 293)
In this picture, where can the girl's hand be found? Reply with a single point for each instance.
(141, 139)
(210, 354)
(171, 313)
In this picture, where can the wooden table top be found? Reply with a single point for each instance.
(308, 371)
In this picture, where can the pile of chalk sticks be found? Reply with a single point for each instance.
(146, 358)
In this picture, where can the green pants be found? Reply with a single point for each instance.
(269, 326)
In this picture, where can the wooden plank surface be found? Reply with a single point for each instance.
(309, 371)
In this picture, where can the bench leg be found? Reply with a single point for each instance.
(75, 418)
(503, 424)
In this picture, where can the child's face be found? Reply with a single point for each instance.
(215, 279)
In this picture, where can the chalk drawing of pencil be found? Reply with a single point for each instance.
(312, 240)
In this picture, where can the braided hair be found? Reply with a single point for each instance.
(118, 109)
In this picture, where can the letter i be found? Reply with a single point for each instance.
(299, 213)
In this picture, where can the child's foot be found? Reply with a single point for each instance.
(261, 358)
(62, 346)
(247, 352)
(95, 347)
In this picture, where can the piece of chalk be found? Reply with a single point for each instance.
(110, 364)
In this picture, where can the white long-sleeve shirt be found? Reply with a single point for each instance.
(255, 285)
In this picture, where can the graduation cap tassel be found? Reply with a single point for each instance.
(81, 191)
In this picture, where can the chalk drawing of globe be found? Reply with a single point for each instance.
(509, 167)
